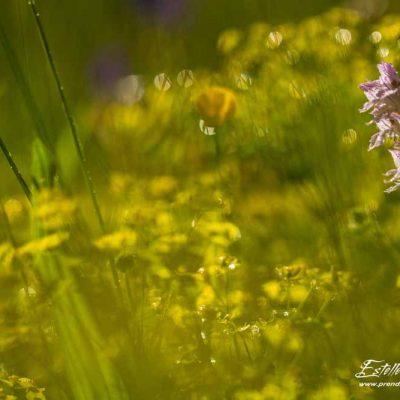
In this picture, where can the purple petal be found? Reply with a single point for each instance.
(396, 158)
(395, 116)
(390, 173)
(376, 140)
(367, 106)
(370, 85)
(384, 124)
(388, 75)
(392, 188)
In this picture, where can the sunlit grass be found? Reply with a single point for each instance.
(246, 251)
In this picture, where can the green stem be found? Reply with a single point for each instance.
(24, 88)
(317, 320)
(7, 225)
(16, 171)
(247, 349)
(68, 114)
(217, 149)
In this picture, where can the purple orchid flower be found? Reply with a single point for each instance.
(383, 104)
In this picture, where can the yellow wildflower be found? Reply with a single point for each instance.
(117, 240)
(53, 209)
(229, 40)
(162, 185)
(272, 289)
(45, 243)
(13, 208)
(206, 297)
(220, 232)
(216, 105)
(298, 293)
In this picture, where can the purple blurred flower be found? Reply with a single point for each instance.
(383, 104)
(164, 11)
(107, 68)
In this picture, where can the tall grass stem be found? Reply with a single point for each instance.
(24, 88)
(15, 170)
(68, 113)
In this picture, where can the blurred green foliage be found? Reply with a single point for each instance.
(250, 252)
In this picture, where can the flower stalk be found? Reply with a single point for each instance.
(68, 114)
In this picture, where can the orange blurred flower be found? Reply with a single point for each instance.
(216, 105)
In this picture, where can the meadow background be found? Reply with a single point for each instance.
(250, 256)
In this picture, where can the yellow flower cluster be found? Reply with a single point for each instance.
(119, 240)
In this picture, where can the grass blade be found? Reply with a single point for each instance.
(15, 169)
(24, 88)
(68, 113)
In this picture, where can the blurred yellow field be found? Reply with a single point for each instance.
(188, 206)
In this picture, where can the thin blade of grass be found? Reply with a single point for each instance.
(15, 170)
(24, 88)
(68, 114)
